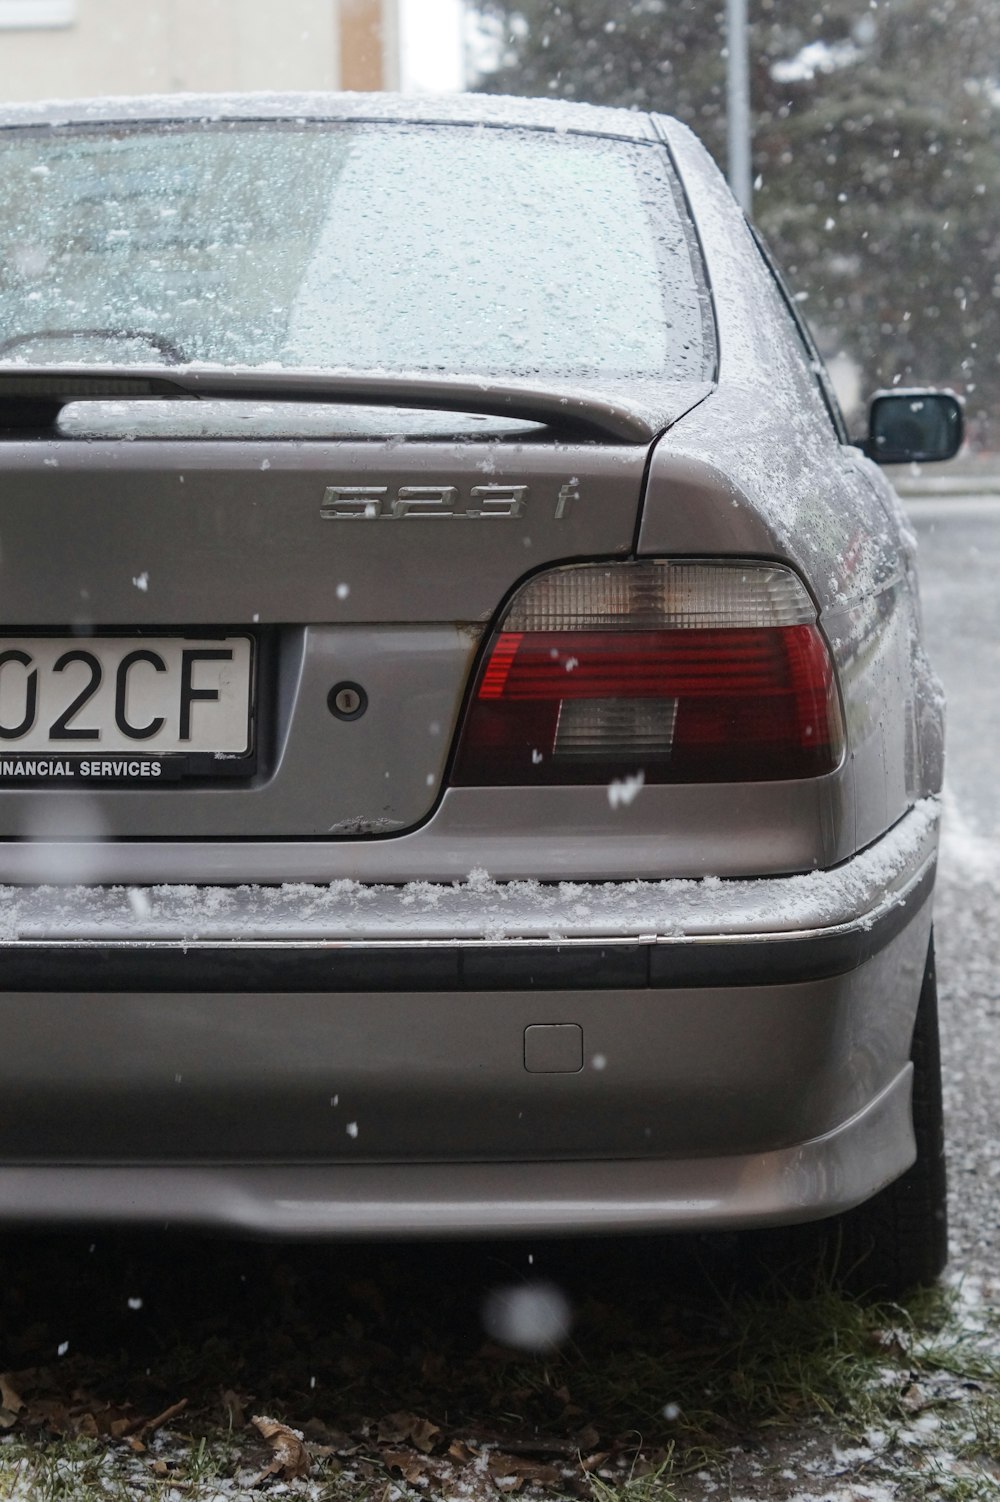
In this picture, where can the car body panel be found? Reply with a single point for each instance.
(407, 1200)
(766, 448)
(174, 539)
(194, 518)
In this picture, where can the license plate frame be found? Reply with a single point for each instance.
(90, 765)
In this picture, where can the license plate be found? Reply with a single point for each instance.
(101, 697)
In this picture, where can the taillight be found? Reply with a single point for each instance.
(683, 672)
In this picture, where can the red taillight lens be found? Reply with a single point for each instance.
(702, 673)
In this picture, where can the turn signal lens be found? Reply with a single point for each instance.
(685, 672)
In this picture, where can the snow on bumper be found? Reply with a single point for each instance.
(854, 896)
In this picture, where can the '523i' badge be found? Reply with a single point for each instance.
(382, 502)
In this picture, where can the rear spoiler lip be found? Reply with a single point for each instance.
(32, 397)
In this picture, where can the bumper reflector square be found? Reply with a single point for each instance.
(553, 1048)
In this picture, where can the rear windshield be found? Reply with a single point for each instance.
(447, 249)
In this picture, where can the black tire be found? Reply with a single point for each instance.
(898, 1240)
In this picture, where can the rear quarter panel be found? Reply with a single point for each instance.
(760, 469)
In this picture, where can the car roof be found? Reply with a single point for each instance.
(457, 109)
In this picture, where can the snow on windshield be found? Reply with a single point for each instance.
(458, 249)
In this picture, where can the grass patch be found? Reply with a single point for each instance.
(671, 1377)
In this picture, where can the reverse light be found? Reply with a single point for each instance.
(686, 672)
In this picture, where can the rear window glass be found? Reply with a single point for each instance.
(346, 246)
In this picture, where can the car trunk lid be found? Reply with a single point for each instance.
(371, 562)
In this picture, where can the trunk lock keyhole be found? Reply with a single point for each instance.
(348, 701)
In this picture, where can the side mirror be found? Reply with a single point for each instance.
(914, 427)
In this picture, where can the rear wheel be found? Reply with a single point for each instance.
(899, 1239)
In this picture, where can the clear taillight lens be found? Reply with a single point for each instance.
(686, 672)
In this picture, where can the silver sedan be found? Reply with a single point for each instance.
(468, 762)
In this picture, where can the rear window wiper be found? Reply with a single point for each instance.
(172, 352)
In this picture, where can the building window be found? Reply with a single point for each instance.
(28, 15)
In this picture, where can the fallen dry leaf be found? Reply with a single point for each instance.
(335, 1440)
(425, 1435)
(462, 1452)
(396, 1428)
(10, 1398)
(49, 1413)
(290, 1457)
(411, 1467)
(519, 1467)
(392, 1428)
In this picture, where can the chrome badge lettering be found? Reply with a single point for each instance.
(380, 502)
(352, 502)
(569, 493)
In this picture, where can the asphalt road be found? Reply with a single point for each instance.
(959, 562)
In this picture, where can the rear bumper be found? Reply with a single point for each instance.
(367, 1061)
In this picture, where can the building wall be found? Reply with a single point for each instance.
(369, 45)
(67, 48)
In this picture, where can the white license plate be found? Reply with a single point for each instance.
(156, 695)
